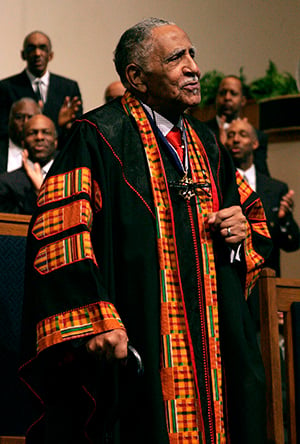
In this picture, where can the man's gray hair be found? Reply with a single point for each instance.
(135, 44)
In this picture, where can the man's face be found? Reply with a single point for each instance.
(172, 75)
(241, 142)
(230, 99)
(40, 139)
(21, 113)
(37, 53)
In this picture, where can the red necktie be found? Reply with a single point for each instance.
(175, 139)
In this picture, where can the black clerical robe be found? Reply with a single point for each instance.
(94, 264)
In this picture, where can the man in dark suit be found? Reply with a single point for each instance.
(58, 96)
(11, 145)
(19, 188)
(230, 100)
(277, 199)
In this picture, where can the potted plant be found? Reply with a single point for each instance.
(278, 98)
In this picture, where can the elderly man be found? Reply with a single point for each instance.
(138, 251)
(59, 97)
(11, 147)
(19, 188)
(230, 101)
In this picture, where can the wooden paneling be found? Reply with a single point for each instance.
(14, 224)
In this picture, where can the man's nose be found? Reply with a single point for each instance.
(192, 67)
(39, 135)
(37, 51)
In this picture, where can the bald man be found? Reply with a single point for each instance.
(58, 96)
(277, 199)
(114, 90)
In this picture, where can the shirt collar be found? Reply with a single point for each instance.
(250, 174)
(162, 123)
(13, 146)
(225, 125)
(44, 79)
(45, 168)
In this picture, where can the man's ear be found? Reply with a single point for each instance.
(50, 56)
(23, 55)
(136, 78)
(255, 143)
(243, 101)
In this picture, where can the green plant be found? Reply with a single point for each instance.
(273, 84)
(209, 86)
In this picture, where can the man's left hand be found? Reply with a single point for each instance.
(231, 224)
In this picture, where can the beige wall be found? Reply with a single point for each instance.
(228, 34)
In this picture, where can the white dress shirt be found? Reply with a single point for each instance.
(250, 176)
(162, 123)
(14, 159)
(45, 168)
(225, 125)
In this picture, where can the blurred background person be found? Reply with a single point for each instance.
(114, 90)
(19, 188)
(230, 101)
(11, 147)
(59, 97)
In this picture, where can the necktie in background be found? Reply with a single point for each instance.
(38, 94)
(175, 139)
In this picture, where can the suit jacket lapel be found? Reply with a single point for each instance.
(24, 86)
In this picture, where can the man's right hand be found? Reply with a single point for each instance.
(286, 204)
(109, 345)
(34, 174)
(67, 112)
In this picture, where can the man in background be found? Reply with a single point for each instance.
(114, 90)
(230, 100)
(11, 147)
(59, 97)
(277, 199)
(19, 188)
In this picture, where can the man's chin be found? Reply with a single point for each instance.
(193, 100)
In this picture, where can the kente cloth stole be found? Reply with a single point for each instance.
(256, 217)
(178, 373)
